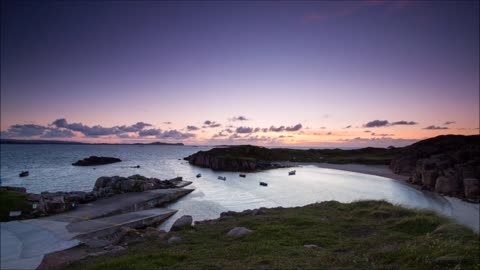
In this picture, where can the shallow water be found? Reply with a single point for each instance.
(50, 169)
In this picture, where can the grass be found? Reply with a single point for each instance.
(359, 235)
(12, 201)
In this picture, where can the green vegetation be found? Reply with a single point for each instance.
(12, 201)
(369, 155)
(359, 235)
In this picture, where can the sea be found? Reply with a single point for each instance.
(50, 168)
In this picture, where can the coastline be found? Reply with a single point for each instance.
(465, 213)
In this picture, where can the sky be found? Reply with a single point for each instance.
(303, 73)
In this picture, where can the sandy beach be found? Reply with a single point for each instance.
(463, 212)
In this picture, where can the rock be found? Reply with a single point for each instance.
(107, 186)
(258, 212)
(239, 231)
(311, 246)
(182, 222)
(174, 239)
(429, 177)
(446, 185)
(15, 189)
(471, 188)
(219, 159)
(94, 160)
(449, 259)
(441, 164)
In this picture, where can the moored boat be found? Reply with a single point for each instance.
(292, 172)
(222, 178)
(263, 184)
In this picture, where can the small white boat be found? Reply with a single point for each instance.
(199, 175)
(222, 178)
(292, 172)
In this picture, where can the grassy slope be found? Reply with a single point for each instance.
(360, 235)
(367, 155)
(12, 201)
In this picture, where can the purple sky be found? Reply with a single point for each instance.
(325, 65)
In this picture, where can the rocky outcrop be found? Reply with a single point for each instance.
(447, 164)
(226, 163)
(108, 186)
(48, 203)
(94, 160)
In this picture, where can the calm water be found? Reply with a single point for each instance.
(51, 170)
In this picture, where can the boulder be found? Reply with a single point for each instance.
(174, 239)
(182, 222)
(94, 160)
(446, 185)
(239, 231)
(107, 186)
(429, 177)
(471, 188)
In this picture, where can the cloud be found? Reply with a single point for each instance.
(150, 132)
(449, 122)
(175, 134)
(60, 128)
(404, 123)
(124, 136)
(297, 127)
(211, 124)
(58, 133)
(167, 123)
(382, 134)
(98, 130)
(376, 123)
(32, 130)
(219, 134)
(134, 128)
(367, 131)
(239, 118)
(349, 126)
(432, 127)
(385, 123)
(277, 129)
(192, 128)
(168, 134)
(28, 130)
(244, 130)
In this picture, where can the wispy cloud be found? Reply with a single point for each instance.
(385, 123)
(449, 122)
(239, 118)
(211, 124)
(432, 127)
(192, 128)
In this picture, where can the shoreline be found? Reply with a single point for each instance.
(465, 213)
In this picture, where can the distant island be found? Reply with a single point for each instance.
(13, 141)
